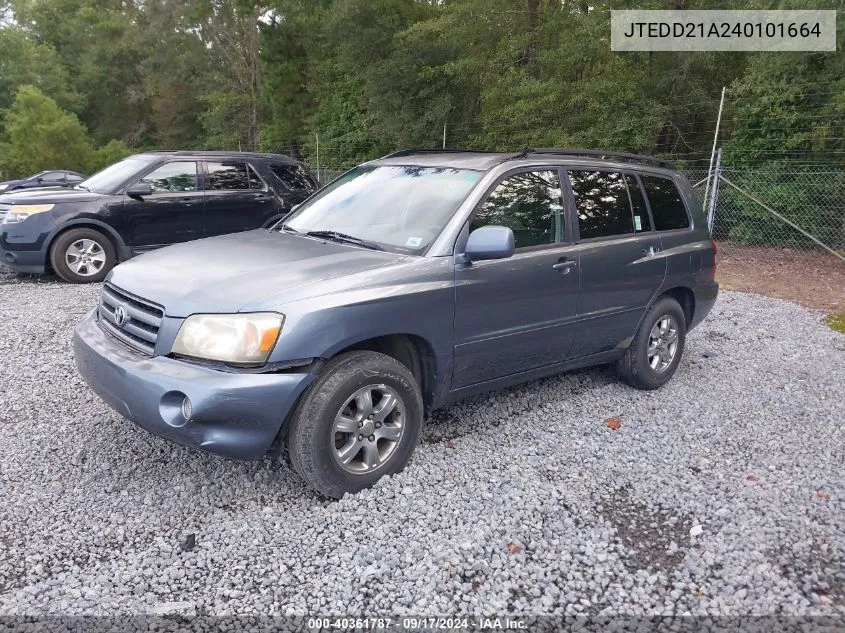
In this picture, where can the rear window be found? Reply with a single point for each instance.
(667, 206)
(294, 177)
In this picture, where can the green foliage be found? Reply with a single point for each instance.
(108, 154)
(40, 135)
(370, 76)
(836, 321)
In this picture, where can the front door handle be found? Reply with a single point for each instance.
(565, 265)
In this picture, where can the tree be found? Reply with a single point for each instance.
(39, 135)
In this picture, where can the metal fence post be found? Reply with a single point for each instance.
(714, 192)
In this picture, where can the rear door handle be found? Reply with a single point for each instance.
(565, 266)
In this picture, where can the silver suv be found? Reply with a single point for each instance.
(408, 282)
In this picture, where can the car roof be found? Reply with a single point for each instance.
(479, 160)
(219, 154)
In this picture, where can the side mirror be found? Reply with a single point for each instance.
(139, 190)
(489, 242)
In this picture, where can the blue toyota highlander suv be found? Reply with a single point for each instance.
(406, 283)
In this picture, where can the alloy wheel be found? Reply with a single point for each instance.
(85, 257)
(368, 428)
(663, 343)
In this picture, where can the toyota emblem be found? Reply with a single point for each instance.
(120, 316)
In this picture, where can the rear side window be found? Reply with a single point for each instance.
(601, 199)
(226, 176)
(294, 177)
(667, 206)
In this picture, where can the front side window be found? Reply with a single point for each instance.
(294, 177)
(112, 177)
(172, 178)
(529, 204)
(399, 208)
(229, 177)
(667, 206)
(601, 199)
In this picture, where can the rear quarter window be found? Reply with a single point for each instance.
(667, 205)
(293, 177)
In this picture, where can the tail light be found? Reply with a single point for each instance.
(715, 250)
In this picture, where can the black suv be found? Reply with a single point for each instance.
(144, 202)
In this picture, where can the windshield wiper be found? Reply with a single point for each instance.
(343, 237)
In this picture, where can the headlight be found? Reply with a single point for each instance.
(20, 212)
(240, 339)
(4, 186)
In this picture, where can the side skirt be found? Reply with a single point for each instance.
(533, 374)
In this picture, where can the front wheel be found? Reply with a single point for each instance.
(655, 352)
(82, 256)
(360, 420)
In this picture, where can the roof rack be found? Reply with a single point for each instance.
(600, 153)
(412, 151)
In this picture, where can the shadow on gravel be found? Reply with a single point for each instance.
(462, 418)
(8, 277)
(654, 539)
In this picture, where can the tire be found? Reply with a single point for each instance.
(315, 443)
(637, 367)
(81, 243)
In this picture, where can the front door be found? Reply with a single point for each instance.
(236, 198)
(172, 213)
(517, 314)
(622, 265)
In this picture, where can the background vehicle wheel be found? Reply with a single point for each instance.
(360, 420)
(653, 357)
(82, 256)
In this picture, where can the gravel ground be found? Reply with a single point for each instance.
(720, 494)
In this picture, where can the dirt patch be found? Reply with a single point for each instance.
(813, 279)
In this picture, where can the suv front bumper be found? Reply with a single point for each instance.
(232, 414)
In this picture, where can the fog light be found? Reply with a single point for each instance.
(187, 408)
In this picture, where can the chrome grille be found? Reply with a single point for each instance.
(141, 322)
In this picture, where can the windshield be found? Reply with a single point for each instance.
(110, 178)
(401, 209)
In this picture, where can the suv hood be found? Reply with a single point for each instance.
(47, 195)
(226, 273)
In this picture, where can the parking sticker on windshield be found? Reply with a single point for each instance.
(637, 223)
(413, 242)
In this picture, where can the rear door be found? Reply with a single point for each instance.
(621, 261)
(517, 314)
(173, 213)
(236, 198)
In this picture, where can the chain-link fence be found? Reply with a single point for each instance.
(795, 207)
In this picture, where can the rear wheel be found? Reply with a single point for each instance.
(656, 350)
(82, 256)
(360, 420)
